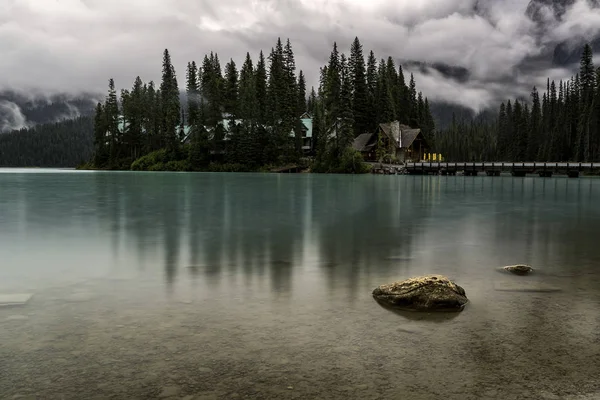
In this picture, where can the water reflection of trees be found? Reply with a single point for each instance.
(262, 226)
(266, 227)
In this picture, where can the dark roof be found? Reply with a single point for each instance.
(361, 141)
(391, 130)
(409, 136)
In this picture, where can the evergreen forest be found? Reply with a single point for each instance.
(62, 144)
(248, 118)
(244, 118)
(560, 124)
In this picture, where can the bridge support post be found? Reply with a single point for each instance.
(545, 174)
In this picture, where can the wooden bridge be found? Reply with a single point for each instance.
(543, 169)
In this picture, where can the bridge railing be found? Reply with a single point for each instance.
(503, 165)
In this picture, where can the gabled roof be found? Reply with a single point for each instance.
(402, 135)
(361, 142)
(409, 136)
(391, 130)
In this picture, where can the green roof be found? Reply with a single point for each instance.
(309, 126)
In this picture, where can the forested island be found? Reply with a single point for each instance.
(258, 118)
(263, 118)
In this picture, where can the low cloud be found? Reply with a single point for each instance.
(76, 45)
(11, 117)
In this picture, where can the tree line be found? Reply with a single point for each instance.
(148, 127)
(563, 124)
(63, 144)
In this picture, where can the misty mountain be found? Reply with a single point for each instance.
(546, 14)
(19, 110)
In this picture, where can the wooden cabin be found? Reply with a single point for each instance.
(396, 142)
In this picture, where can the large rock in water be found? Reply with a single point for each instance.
(424, 293)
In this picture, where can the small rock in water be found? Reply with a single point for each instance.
(519, 269)
(424, 293)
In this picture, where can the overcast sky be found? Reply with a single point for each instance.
(76, 45)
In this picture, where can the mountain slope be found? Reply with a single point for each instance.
(63, 144)
(18, 110)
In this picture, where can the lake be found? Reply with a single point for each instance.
(223, 286)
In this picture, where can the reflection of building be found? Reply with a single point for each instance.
(392, 142)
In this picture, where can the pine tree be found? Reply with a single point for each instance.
(333, 87)
(211, 91)
(193, 93)
(301, 103)
(301, 108)
(248, 105)
(392, 77)
(587, 75)
(153, 107)
(412, 102)
(510, 123)
(278, 110)
(428, 127)
(372, 90)
(533, 144)
(312, 99)
(249, 113)
(111, 112)
(261, 89)
(346, 134)
(384, 99)
(403, 99)
(133, 104)
(170, 112)
(276, 84)
(231, 89)
(421, 110)
(360, 95)
(289, 63)
(100, 140)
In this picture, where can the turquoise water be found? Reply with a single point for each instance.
(169, 285)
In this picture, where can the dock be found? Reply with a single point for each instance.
(543, 169)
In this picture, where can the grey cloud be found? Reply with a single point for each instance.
(76, 45)
(13, 117)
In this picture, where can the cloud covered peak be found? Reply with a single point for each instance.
(473, 52)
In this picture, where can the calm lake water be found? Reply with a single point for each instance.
(222, 286)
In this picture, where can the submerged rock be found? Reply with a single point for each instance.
(519, 269)
(525, 286)
(424, 293)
